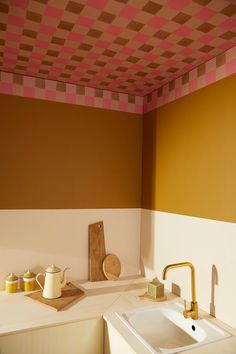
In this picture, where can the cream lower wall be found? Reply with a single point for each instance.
(37, 238)
(170, 238)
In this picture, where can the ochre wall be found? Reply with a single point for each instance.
(55, 155)
(189, 154)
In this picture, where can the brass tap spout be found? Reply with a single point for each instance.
(193, 312)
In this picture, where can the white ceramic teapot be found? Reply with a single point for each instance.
(53, 282)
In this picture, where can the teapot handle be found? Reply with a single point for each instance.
(38, 280)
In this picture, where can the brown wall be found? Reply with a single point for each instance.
(189, 154)
(55, 155)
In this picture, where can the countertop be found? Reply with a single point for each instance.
(19, 314)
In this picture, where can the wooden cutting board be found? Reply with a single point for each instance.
(96, 251)
(70, 293)
(111, 267)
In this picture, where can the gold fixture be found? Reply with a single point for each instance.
(193, 312)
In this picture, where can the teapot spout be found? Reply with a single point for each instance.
(63, 282)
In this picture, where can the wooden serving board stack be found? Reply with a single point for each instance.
(101, 266)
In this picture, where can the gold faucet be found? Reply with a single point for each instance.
(193, 312)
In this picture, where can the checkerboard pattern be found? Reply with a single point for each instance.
(129, 46)
(215, 69)
(26, 86)
(207, 73)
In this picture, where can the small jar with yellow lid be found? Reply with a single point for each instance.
(11, 283)
(28, 281)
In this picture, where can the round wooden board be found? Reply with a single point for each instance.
(111, 267)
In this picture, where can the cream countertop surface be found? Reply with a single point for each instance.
(19, 314)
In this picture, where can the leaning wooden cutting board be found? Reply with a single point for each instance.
(97, 251)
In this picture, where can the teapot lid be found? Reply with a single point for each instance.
(53, 269)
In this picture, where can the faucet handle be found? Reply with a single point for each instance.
(185, 305)
(186, 312)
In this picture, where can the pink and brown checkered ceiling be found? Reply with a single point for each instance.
(130, 46)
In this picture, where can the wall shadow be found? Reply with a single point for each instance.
(175, 289)
(146, 243)
(214, 282)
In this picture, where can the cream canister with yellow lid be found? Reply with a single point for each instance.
(28, 281)
(11, 283)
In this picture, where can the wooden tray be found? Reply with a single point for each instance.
(151, 298)
(70, 293)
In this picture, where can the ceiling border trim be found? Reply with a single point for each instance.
(205, 74)
(33, 87)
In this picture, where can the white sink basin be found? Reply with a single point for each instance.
(163, 328)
